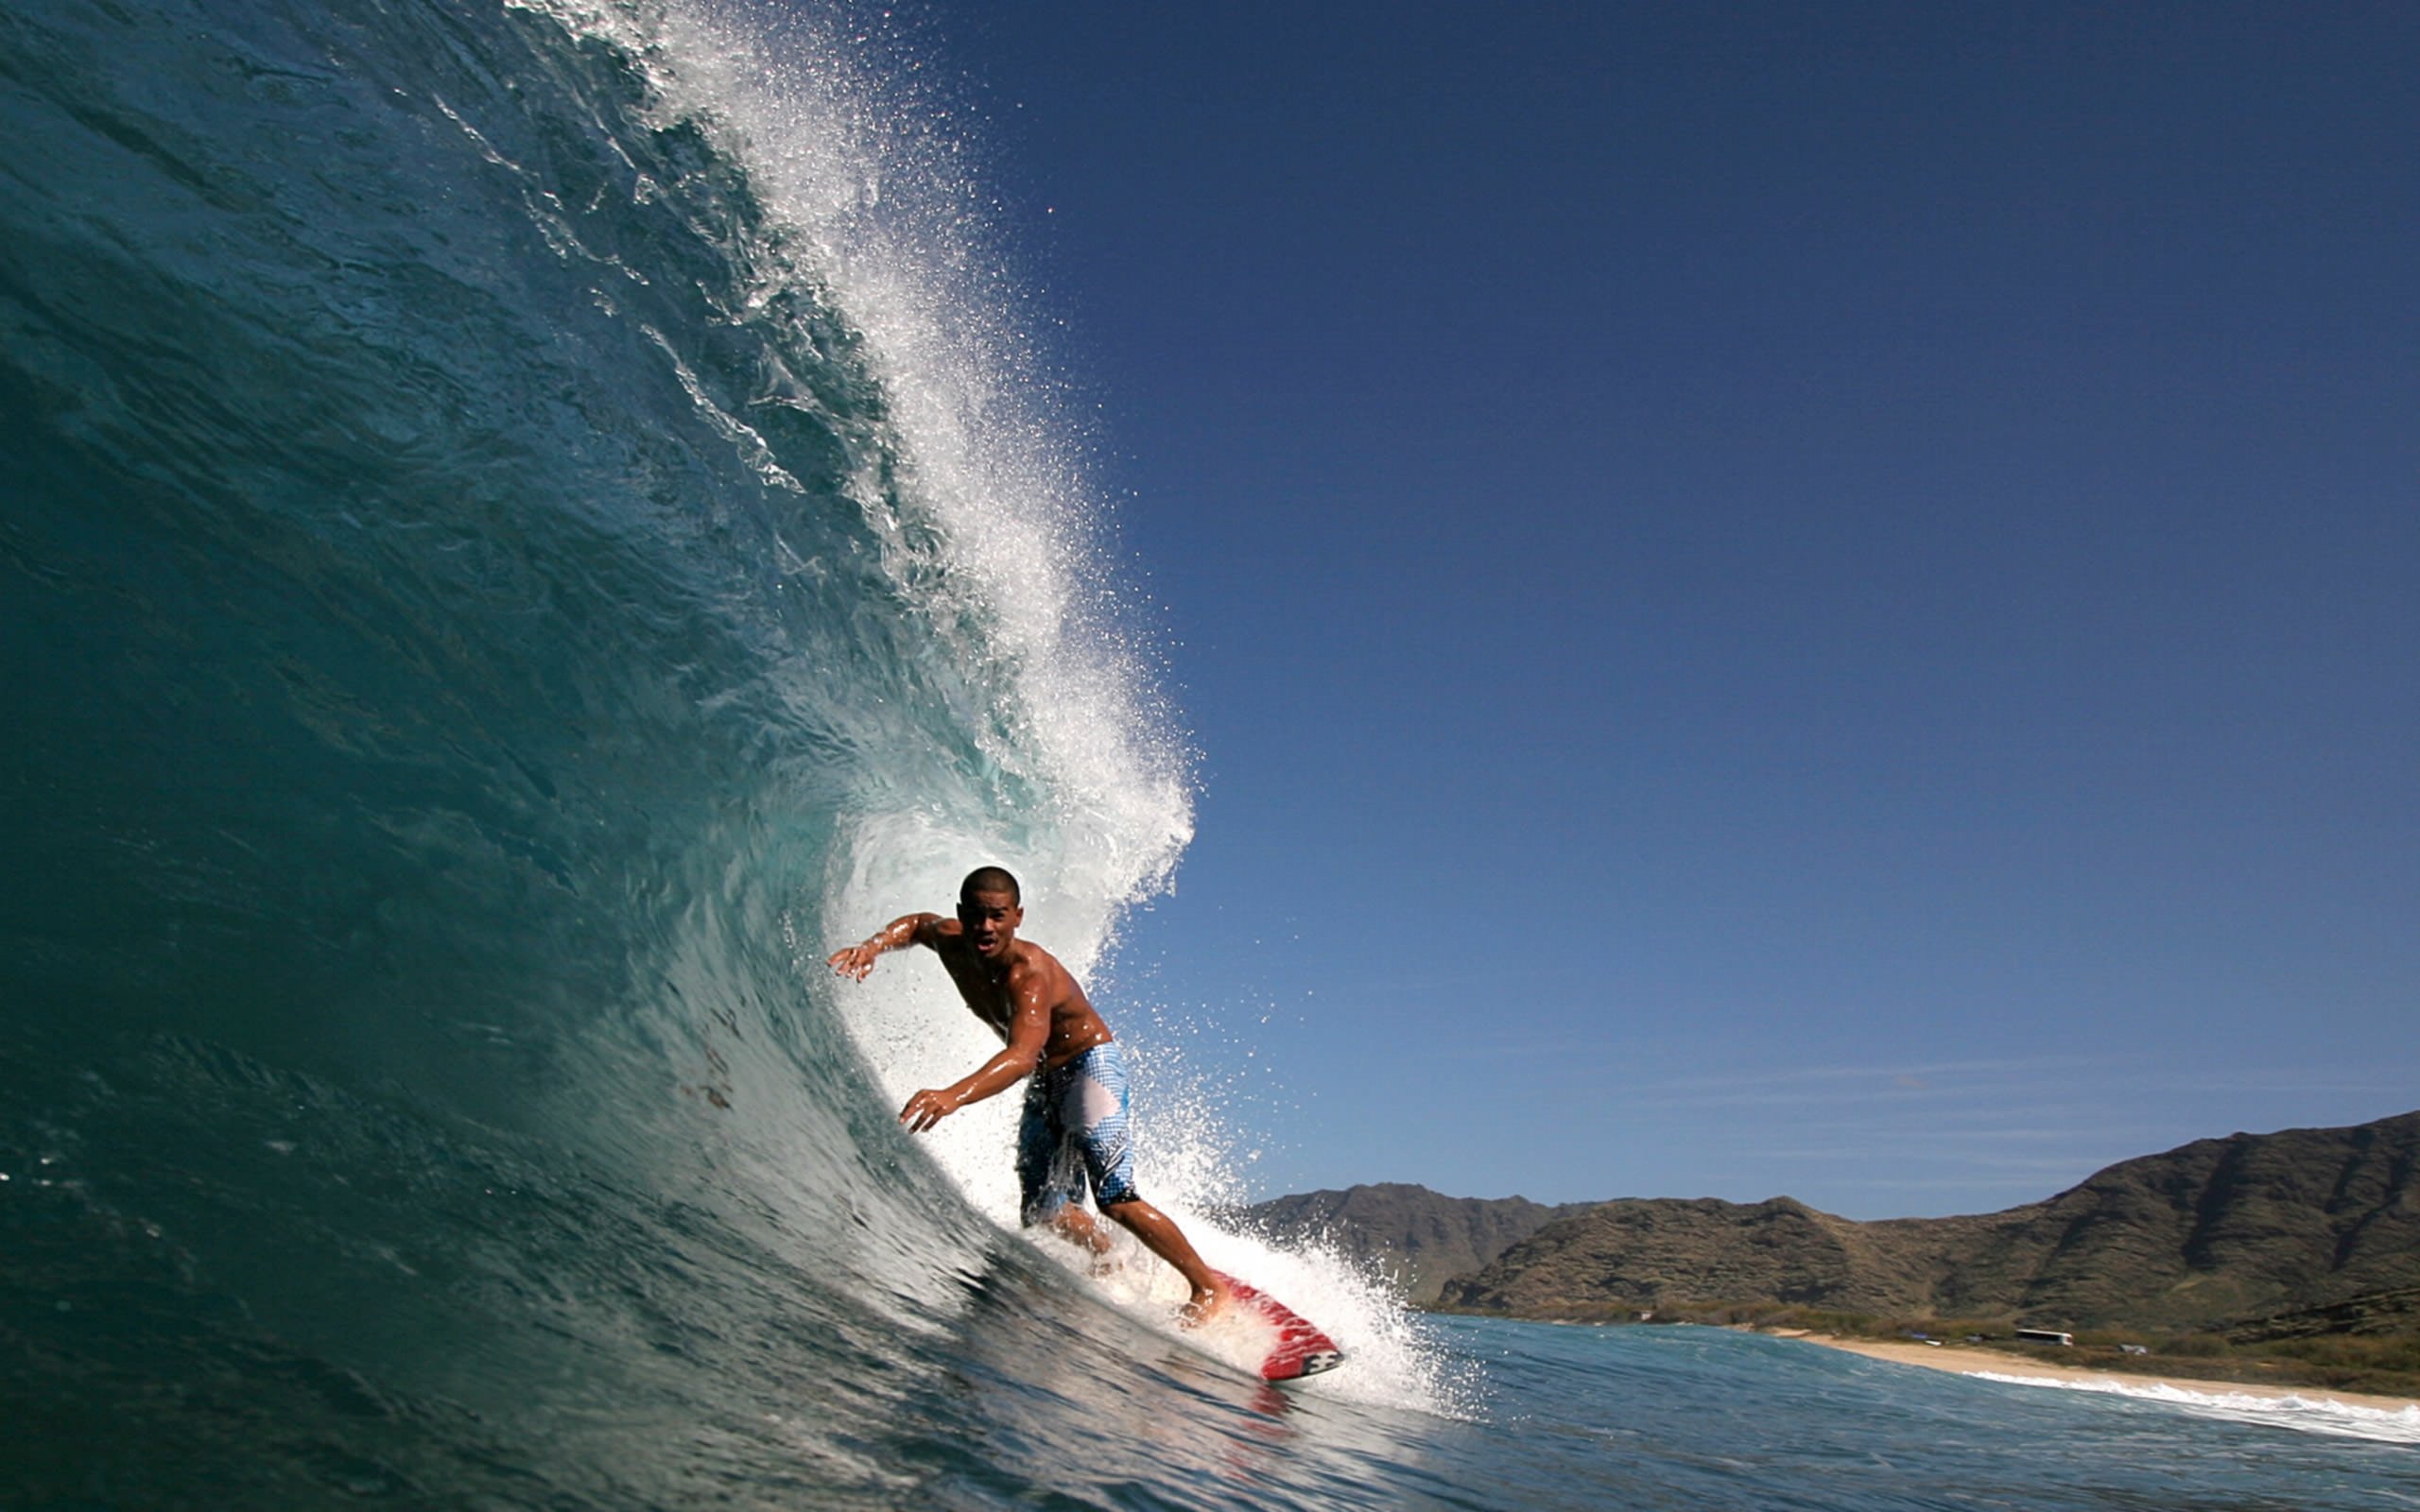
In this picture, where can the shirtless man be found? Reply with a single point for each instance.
(1075, 1107)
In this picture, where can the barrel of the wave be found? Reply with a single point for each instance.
(1290, 1346)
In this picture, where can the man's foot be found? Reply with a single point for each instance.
(1206, 1303)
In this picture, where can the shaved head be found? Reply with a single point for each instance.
(989, 879)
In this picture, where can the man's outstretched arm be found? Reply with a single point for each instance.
(857, 960)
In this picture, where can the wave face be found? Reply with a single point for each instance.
(524, 527)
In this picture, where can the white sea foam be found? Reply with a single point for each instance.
(990, 525)
(2316, 1413)
(1391, 1360)
(975, 486)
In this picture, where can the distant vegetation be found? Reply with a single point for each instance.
(2385, 1363)
(2291, 1258)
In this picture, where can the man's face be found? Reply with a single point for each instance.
(991, 920)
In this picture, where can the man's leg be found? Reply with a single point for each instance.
(1097, 1118)
(1162, 1237)
(1050, 1173)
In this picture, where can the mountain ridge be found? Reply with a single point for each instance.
(2211, 1234)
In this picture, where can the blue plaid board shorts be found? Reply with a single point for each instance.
(1074, 1129)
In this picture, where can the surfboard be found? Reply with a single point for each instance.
(1298, 1349)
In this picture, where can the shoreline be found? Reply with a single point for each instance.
(1968, 1362)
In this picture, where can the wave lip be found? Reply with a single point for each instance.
(487, 581)
(525, 521)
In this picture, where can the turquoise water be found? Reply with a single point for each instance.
(1707, 1418)
(522, 525)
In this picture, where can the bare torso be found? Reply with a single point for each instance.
(989, 988)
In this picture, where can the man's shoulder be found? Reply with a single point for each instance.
(1031, 963)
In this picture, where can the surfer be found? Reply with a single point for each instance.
(1074, 1124)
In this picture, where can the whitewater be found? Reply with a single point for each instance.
(525, 525)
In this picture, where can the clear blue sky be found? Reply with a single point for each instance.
(1777, 598)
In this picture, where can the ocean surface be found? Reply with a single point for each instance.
(524, 526)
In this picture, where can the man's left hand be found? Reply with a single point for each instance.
(927, 1109)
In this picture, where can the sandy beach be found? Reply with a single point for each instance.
(1998, 1363)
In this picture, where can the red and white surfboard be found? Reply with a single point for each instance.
(1299, 1349)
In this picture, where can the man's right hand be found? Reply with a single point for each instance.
(857, 961)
